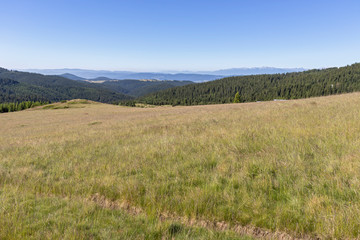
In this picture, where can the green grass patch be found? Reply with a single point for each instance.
(288, 166)
(26, 216)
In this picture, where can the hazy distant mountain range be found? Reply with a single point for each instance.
(252, 71)
(200, 76)
(107, 86)
(119, 75)
(103, 86)
(17, 86)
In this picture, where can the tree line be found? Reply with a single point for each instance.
(18, 106)
(264, 87)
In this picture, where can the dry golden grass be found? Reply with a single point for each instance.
(291, 166)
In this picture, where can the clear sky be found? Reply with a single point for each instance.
(155, 35)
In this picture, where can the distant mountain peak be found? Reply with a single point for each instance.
(101, 79)
(203, 76)
(72, 76)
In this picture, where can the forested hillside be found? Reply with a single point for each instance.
(18, 106)
(263, 87)
(18, 86)
(139, 88)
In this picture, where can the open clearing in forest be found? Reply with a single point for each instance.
(289, 167)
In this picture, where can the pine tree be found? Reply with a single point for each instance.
(237, 98)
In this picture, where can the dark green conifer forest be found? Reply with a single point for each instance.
(265, 87)
(16, 86)
(18, 106)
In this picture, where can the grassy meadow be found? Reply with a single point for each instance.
(287, 167)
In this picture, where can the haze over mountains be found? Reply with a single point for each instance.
(92, 74)
(195, 76)
(16, 86)
(24, 86)
(252, 71)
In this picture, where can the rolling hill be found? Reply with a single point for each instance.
(24, 86)
(273, 170)
(72, 77)
(139, 88)
(132, 87)
(194, 76)
(90, 74)
(263, 87)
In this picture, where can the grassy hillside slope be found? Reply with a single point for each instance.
(263, 87)
(291, 167)
(23, 86)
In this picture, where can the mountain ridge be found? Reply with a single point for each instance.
(18, 86)
(195, 76)
(24, 86)
(263, 87)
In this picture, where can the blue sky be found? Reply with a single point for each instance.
(160, 35)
